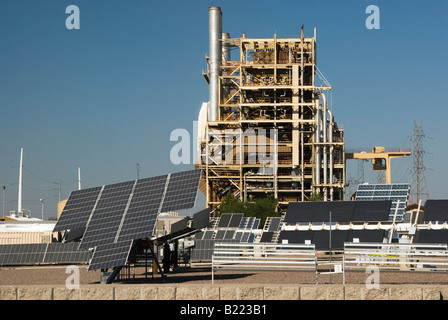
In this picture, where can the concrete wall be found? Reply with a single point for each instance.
(225, 292)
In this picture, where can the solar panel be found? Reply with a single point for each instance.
(243, 223)
(77, 209)
(371, 210)
(199, 235)
(180, 225)
(208, 235)
(239, 235)
(65, 253)
(116, 214)
(203, 249)
(298, 237)
(394, 192)
(105, 221)
(235, 220)
(39, 253)
(433, 236)
(321, 239)
(145, 205)
(74, 234)
(181, 191)
(110, 255)
(229, 234)
(274, 225)
(266, 236)
(341, 211)
(245, 237)
(224, 220)
(201, 219)
(220, 234)
(22, 254)
(366, 235)
(436, 210)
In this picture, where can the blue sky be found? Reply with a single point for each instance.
(107, 96)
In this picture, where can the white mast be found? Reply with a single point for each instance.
(79, 178)
(19, 209)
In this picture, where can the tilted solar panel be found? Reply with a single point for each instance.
(341, 211)
(22, 254)
(105, 221)
(397, 193)
(110, 255)
(42, 253)
(118, 213)
(201, 219)
(266, 237)
(376, 236)
(224, 220)
(298, 237)
(436, 210)
(321, 239)
(433, 236)
(235, 220)
(182, 190)
(275, 224)
(145, 205)
(374, 210)
(77, 209)
(64, 253)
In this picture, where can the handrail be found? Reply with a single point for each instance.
(268, 257)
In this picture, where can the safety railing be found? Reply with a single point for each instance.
(264, 257)
(395, 257)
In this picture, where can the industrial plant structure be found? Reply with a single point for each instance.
(268, 127)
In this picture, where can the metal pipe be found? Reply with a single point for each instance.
(225, 47)
(325, 138)
(215, 52)
(317, 134)
(330, 141)
(225, 59)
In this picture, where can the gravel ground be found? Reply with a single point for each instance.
(56, 275)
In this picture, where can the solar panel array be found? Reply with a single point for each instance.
(341, 211)
(115, 215)
(249, 223)
(203, 249)
(394, 192)
(230, 227)
(42, 253)
(321, 238)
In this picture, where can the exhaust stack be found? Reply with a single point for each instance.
(215, 52)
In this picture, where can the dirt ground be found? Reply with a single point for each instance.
(56, 275)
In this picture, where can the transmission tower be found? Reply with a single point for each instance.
(353, 183)
(418, 169)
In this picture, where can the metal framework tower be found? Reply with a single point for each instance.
(418, 169)
(269, 131)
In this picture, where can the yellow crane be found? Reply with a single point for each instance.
(380, 158)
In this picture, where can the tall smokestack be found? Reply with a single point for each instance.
(215, 52)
